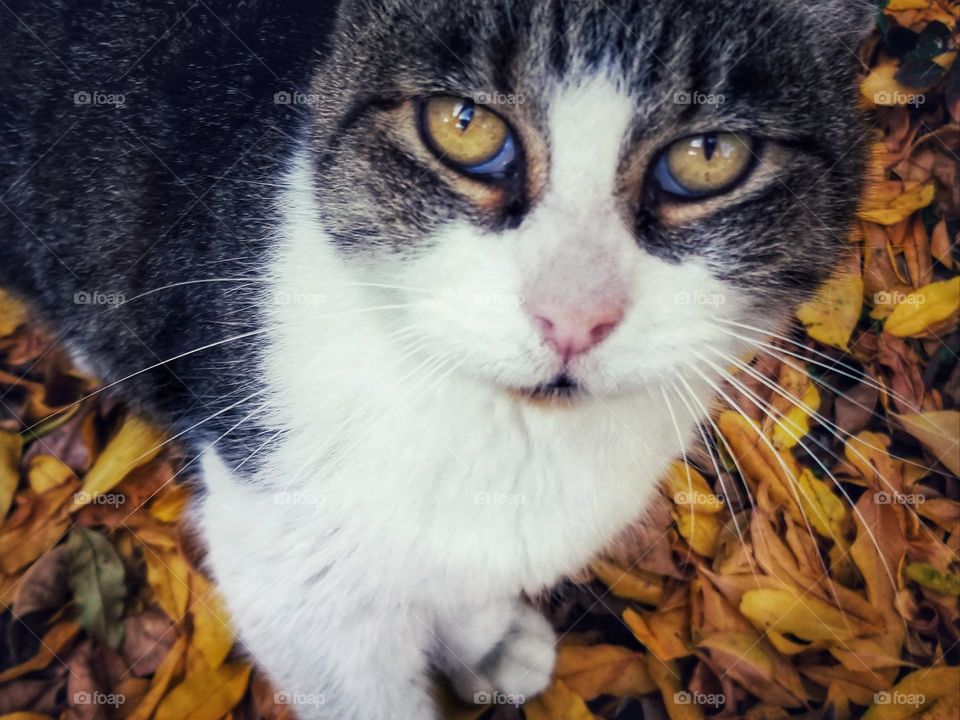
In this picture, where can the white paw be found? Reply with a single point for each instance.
(519, 666)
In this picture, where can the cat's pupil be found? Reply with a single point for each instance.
(464, 115)
(709, 145)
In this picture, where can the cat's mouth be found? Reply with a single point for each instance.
(562, 389)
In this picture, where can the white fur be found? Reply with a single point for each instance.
(411, 497)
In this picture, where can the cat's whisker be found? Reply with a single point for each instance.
(794, 485)
(683, 455)
(103, 388)
(848, 371)
(782, 392)
(769, 350)
(716, 464)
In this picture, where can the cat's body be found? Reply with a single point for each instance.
(418, 392)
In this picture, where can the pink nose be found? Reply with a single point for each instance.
(573, 331)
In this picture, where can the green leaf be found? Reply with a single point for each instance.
(929, 577)
(95, 576)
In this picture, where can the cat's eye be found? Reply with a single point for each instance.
(468, 137)
(704, 165)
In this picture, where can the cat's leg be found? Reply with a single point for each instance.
(310, 612)
(501, 652)
(367, 668)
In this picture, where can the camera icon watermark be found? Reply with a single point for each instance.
(695, 497)
(109, 499)
(499, 98)
(97, 297)
(713, 300)
(892, 297)
(485, 697)
(498, 498)
(713, 700)
(98, 98)
(283, 297)
(895, 697)
(499, 299)
(885, 497)
(682, 97)
(298, 497)
(290, 698)
(285, 97)
(889, 98)
(84, 697)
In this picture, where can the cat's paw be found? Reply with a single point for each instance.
(517, 667)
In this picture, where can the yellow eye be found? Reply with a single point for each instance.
(703, 165)
(467, 136)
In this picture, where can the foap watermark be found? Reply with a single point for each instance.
(889, 98)
(893, 297)
(98, 297)
(713, 300)
(896, 697)
(499, 299)
(282, 297)
(498, 498)
(87, 498)
(98, 98)
(485, 697)
(887, 497)
(298, 497)
(682, 97)
(289, 698)
(685, 697)
(695, 497)
(284, 97)
(499, 98)
(84, 697)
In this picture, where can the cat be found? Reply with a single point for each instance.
(419, 283)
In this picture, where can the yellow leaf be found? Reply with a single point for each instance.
(169, 578)
(12, 314)
(687, 487)
(11, 446)
(629, 584)
(47, 471)
(881, 88)
(135, 443)
(901, 5)
(675, 699)
(25, 716)
(946, 708)
(832, 314)
(900, 207)
(661, 631)
(924, 309)
(212, 635)
(208, 695)
(824, 510)
(169, 666)
(700, 530)
(594, 670)
(916, 691)
(169, 503)
(557, 702)
(938, 432)
(794, 424)
(806, 617)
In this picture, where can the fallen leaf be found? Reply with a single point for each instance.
(833, 313)
(95, 576)
(207, 695)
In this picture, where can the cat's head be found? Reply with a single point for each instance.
(574, 194)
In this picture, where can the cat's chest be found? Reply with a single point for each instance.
(497, 498)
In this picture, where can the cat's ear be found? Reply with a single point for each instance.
(852, 20)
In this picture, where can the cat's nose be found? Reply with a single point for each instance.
(574, 331)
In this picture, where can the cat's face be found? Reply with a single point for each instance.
(573, 195)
